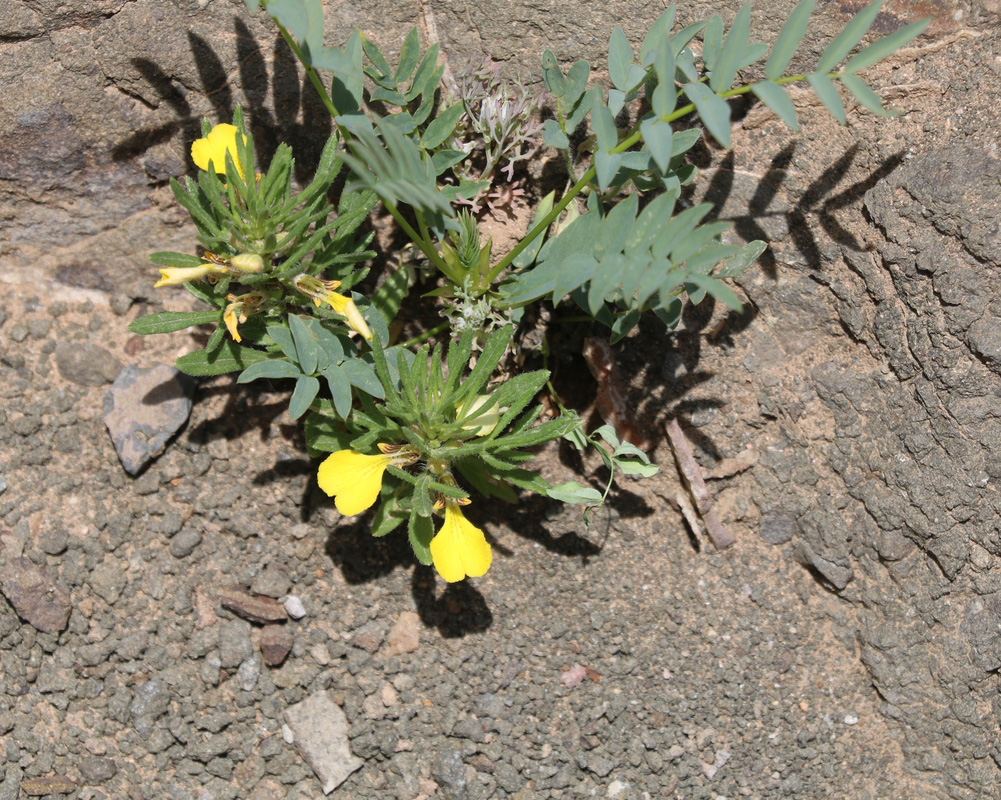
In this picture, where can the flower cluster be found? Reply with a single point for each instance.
(354, 480)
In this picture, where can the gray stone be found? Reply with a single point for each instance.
(108, 580)
(53, 542)
(321, 737)
(838, 575)
(777, 528)
(449, 771)
(235, 646)
(86, 364)
(143, 409)
(185, 542)
(273, 581)
(35, 597)
(97, 770)
(149, 702)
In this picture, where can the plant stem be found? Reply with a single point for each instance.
(313, 77)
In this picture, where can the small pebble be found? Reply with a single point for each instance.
(294, 607)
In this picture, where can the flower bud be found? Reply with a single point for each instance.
(247, 262)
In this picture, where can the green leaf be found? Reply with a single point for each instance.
(553, 136)
(230, 357)
(305, 344)
(664, 96)
(442, 126)
(776, 99)
(410, 52)
(527, 256)
(788, 40)
(573, 492)
(712, 41)
(604, 125)
(828, 94)
(340, 389)
(880, 49)
(170, 321)
(283, 338)
(616, 99)
(849, 37)
(866, 96)
(657, 36)
(388, 297)
(736, 264)
(716, 288)
(576, 81)
(375, 56)
(273, 369)
(306, 389)
(421, 532)
(620, 56)
(291, 14)
(641, 468)
(169, 259)
(388, 516)
(657, 135)
(606, 166)
(363, 376)
(552, 75)
(446, 159)
(681, 39)
(725, 69)
(713, 111)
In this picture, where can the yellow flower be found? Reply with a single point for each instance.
(321, 291)
(175, 276)
(459, 549)
(354, 479)
(213, 148)
(483, 420)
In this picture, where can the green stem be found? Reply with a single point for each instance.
(425, 336)
(425, 246)
(313, 77)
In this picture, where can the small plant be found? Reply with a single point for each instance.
(409, 428)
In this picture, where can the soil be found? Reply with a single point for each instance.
(847, 646)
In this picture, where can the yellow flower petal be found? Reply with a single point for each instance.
(175, 276)
(338, 302)
(483, 420)
(352, 479)
(356, 321)
(459, 549)
(230, 318)
(213, 148)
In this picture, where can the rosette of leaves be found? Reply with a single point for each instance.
(434, 404)
(294, 233)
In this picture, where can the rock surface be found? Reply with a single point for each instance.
(143, 409)
(321, 735)
(35, 597)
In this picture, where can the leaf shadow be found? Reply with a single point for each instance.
(299, 117)
(817, 205)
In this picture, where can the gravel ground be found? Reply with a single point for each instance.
(616, 662)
